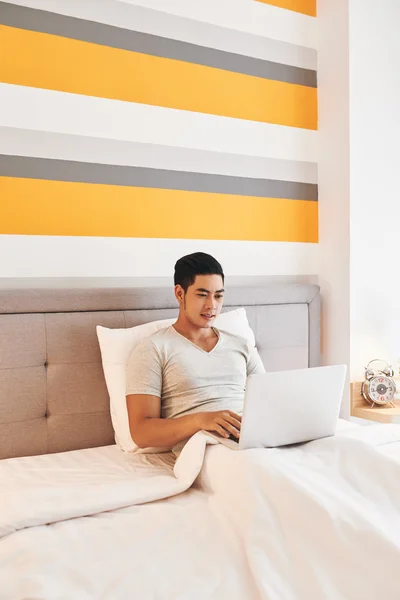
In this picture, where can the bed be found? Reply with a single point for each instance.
(80, 519)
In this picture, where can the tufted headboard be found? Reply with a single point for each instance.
(53, 395)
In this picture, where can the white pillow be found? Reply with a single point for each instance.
(116, 346)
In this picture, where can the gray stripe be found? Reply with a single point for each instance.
(63, 170)
(81, 148)
(115, 37)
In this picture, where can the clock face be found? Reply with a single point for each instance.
(381, 389)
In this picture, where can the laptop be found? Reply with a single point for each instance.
(289, 407)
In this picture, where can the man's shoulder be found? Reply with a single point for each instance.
(159, 340)
(235, 340)
(161, 335)
(150, 347)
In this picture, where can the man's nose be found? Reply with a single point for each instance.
(211, 304)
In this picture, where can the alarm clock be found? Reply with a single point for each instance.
(378, 386)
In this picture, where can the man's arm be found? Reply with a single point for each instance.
(254, 364)
(148, 429)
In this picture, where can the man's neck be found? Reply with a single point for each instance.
(196, 334)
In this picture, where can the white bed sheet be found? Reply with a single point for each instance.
(177, 548)
(204, 542)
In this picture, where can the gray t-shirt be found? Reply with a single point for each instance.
(189, 379)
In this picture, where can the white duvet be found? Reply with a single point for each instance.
(314, 521)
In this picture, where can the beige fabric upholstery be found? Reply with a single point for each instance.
(53, 396)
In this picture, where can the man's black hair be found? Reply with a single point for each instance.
(198, 263)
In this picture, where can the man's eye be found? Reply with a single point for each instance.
(219, 296)
(201, 295)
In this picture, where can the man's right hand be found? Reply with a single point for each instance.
(149, 429)
(224, 422)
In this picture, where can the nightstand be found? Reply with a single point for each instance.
(360, 408)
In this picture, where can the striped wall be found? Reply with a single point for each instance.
(160, 120)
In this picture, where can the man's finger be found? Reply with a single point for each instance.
(234, 431)
(234, 421)
(219, 429)
(228, 427)
(238, 417)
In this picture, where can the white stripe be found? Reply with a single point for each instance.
(244, 15)
(59, 256)
(59, 112)
(24, 142)
(174, 27)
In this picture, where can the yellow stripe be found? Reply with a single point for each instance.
(41, 207)
(47, 61)
(307, 7)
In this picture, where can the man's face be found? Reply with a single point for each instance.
(203, 300)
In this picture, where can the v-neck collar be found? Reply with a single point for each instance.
(198, 347)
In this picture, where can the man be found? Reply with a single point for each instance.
(189, 376)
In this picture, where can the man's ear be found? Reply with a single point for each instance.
(179, 293)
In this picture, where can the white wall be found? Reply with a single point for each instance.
(49, 256)
(359, 129)
(374, 183)
(333, 180)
